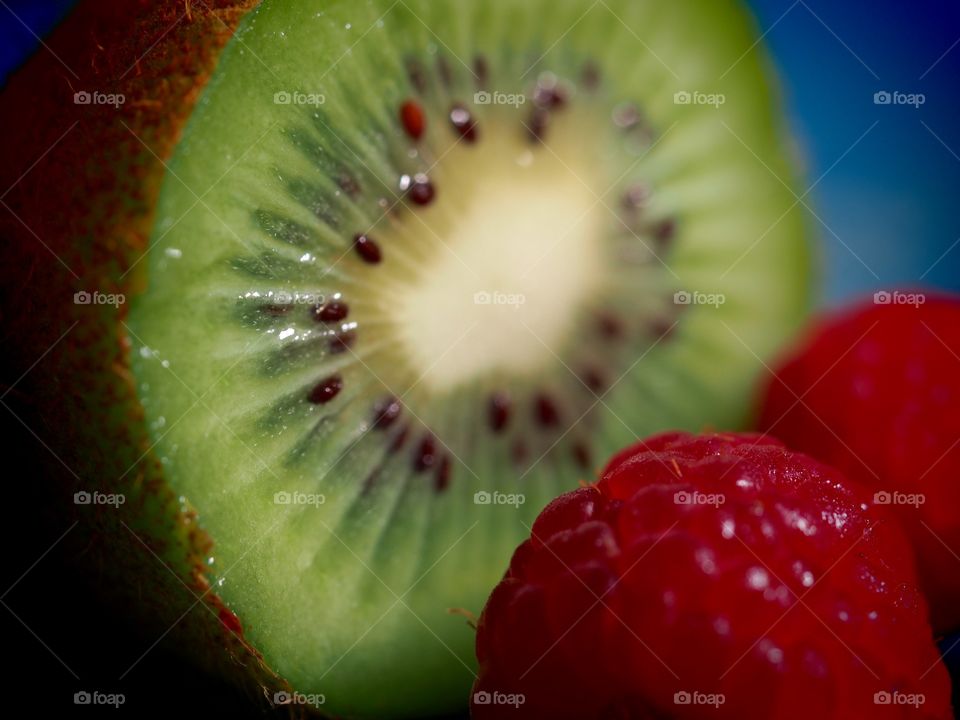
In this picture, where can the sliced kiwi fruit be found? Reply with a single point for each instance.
(408, 255)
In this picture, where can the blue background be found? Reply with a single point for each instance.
(893, 199)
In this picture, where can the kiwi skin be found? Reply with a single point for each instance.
(79, 183)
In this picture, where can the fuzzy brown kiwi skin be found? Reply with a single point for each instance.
(79, 185)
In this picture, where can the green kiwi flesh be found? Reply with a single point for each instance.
(406, 253)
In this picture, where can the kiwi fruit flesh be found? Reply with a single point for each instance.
(410, 257)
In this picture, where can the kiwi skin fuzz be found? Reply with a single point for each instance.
(79, 185)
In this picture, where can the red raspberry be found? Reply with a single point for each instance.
(716, 576)
(875, 392)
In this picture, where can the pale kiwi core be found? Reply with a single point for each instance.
(517, 234)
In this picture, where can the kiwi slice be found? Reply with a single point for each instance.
(410, 252)
(404, 253)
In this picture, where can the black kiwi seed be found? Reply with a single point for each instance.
(346, 183)
(342, 341)
(581, 455)
(549, 94)
(481, 71)
(610, 326)
(326, 390)
(593, 379)
(367, 249)
(371, 480)
(537, 125)
(635, 197)
(664, 231)
(545, 411)
(464, 123)
(274, 310)
(518, 452)
(663, 328)
(426, 454)
(590, 76)
(626, 116)
(412, 118)
(418, 188)
(385, 412)
(444, 71)
(415, 72)
(332, 311)
(422, 192)
(499, 411)
(399, 439)
(442, 479)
